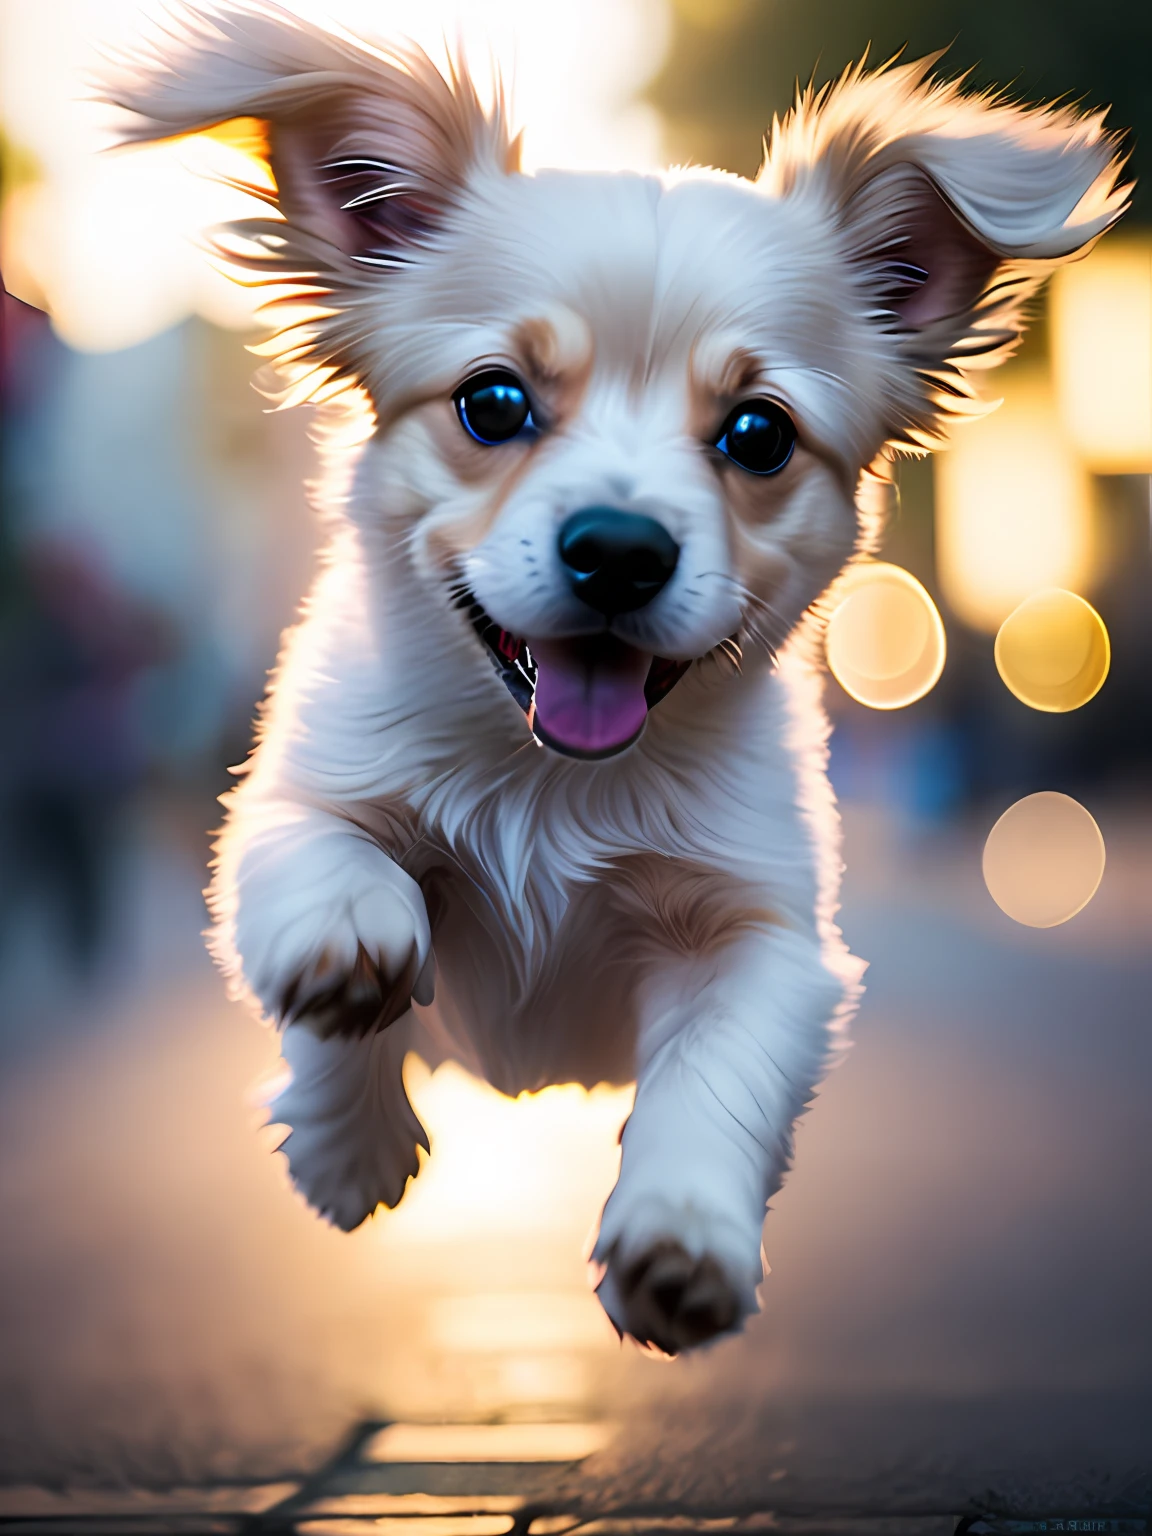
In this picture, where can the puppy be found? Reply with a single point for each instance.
(541, 773)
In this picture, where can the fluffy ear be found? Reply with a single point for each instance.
(369, 149)
(952, 210)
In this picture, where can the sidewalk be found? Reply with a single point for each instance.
(957, 1313)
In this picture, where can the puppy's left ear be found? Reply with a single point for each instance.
(371, 150)
(951, 210)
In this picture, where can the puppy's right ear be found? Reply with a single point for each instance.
(950, 211)
(370, 148)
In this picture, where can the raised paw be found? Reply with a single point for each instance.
(350, 999)
(675, 1301)
(318, 924)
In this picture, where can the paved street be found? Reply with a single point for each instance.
(957, 1316)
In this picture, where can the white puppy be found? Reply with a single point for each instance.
(545, 755)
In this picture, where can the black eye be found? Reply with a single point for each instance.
(493, 407)
(759, 435)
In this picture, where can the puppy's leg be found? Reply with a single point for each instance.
(332, 939)
(353, 1138)
(730, 1049)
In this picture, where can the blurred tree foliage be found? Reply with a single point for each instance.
(734, 63)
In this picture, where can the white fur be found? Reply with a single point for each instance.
(668, 913)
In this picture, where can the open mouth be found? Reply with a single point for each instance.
(587, 697)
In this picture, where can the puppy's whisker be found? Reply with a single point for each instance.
(377, 195)
(768, 642)
(523, 747)
(357, 166)
(390, 262)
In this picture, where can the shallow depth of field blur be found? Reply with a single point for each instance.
(969, 1213)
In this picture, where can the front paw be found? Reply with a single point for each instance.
(675, 1273)
(328, 932)
(335, 998)
(668, 1298)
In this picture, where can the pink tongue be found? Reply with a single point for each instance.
(589, 693)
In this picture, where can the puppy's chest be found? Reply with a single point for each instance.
(534, 914)
(544, 876)
(543, 988)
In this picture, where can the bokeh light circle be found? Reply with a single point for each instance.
(1053, 651)
(1044, 859)
(885, 641)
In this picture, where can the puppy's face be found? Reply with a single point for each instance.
(622, 419)
(635, 437)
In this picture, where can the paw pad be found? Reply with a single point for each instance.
(349, 1002)
(675, 1301)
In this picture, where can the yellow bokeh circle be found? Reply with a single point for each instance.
(1053, 651)
(884, 642)
(1044, 859)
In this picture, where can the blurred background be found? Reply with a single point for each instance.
(968, 1225)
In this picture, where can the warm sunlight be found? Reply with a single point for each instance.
(1044, 860)
(490, 1238)
(1053, 652)
(1013, 507)
(885, 641)
(110, 243)
(541, 1164)
(1101, 319)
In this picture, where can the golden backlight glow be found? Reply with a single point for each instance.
(109, 242)
(487, 1442)
(541, 1321)
(1013, 507)
(351, 1514)
(884, 642)
(1044, 860)
(355, 1509)
(542, 1162)
(1053, 651)
(1101, 327)
(491, 1237)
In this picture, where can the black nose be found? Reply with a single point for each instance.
(616, 561)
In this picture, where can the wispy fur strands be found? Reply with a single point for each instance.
(895, 152)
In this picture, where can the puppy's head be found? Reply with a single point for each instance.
(622, 420)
